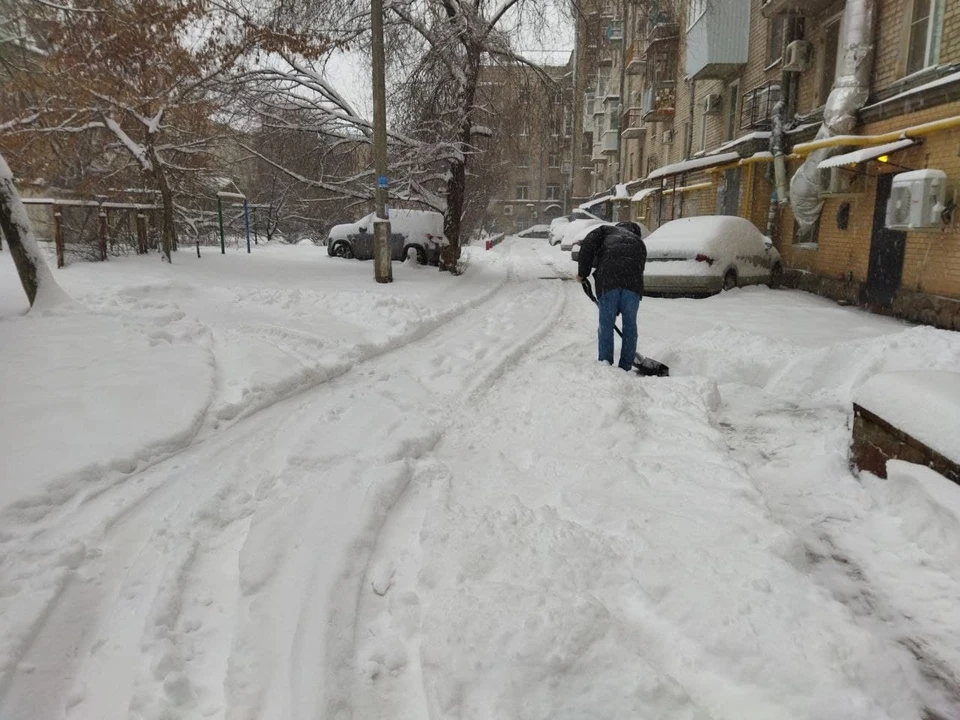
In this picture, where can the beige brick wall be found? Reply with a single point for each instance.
(931, 259)
(891, 42)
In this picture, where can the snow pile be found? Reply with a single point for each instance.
(834, 373)
(923, 404)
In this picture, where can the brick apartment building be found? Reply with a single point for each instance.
(530, 109)
(697, 87)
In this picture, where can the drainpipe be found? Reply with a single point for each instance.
(624, 17)
(850, 92)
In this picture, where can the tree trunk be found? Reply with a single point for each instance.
(169, 230)
(35, 275)
(457, 184)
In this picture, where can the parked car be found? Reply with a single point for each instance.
(704, 255)
(420, 231)
(557, 228)
(575, 248)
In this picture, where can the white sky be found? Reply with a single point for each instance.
(550, 42)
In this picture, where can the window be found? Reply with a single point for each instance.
(695, 10)
(524, 127)
(778, 28)
(783, 29)
(554, 160)
(828, 69)
(523, 162)
(732, 108)
(523, 192)
(923, 41)
(553, 192)
(810, 238)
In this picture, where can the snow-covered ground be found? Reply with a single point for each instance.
(265, 487)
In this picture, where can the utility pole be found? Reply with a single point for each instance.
(382, 267)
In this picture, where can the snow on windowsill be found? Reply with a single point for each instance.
(806, 246)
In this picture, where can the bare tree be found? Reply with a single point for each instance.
(438, 50)
(147, 78)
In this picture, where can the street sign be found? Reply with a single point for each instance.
(382, 181)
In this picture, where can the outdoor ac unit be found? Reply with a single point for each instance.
(837, 181)
(712, 103)
(916, 200)
(508, 209)
(668, 137)
(798, 56)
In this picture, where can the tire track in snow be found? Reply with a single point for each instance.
(162, 484)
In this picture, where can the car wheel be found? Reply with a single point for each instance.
(776, 276)
(421, 254)
(343, 250)
(730, 280)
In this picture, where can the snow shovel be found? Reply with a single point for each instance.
(643, 365)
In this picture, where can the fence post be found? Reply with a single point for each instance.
(103, 234)
(58, 235)
(141, 234)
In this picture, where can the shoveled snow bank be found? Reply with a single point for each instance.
(923, 404)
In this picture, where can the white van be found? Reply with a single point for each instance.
(417, 230)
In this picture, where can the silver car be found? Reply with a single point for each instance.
(705, 255)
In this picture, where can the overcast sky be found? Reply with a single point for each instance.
(542, 36)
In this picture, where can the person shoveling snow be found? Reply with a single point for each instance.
(620, 255)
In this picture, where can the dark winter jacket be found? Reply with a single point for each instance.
(620, 257)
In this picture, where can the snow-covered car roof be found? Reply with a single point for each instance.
(718, 235)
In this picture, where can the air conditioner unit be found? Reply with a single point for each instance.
(668, 137)
(837, 181)
(916, 200)
(508, 209)
(712, 104)
(799, 53)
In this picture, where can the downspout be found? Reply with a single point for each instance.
(624, 17)
(850, 92)
(780, 111)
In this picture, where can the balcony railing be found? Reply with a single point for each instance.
(659, 102)
(756, 108)
(633, 127)
(662, 34)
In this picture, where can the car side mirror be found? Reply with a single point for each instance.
(767, 243)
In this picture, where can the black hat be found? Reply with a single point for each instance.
(631, 227)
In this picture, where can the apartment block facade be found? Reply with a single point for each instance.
(531, 110)
(717, 99)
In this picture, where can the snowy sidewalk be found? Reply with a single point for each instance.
(471, 518)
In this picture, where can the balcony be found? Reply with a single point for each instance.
(633, 127)
(614, 31)
(610, 145)
(588, 103)
(771, 8)
(717, 42)
(659, 103)
(636, 63)
(598, 155)
(663, 33)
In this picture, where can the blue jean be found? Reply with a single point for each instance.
(626, 304)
